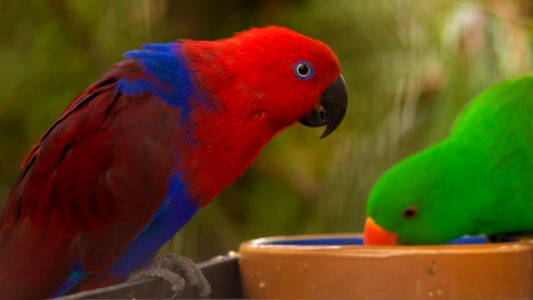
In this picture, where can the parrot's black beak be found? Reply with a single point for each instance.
(331, 109)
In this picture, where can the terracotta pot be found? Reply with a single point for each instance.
(336, 266)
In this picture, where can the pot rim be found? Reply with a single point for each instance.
(265, 245)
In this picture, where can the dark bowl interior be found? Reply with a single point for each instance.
(358, 241)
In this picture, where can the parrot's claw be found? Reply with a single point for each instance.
(180, 272)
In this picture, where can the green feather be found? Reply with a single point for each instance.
(477, 180)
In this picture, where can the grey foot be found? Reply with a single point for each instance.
(186, 280)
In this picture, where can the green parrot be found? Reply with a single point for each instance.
(478, 180)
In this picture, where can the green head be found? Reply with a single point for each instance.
(478, 180)
(429, 198)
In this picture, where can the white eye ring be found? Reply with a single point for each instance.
(303, 70)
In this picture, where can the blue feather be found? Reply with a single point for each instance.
(175, 211)
(72, 281)
(169, 78)
(163, 47)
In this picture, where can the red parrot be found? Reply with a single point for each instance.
(136, 154)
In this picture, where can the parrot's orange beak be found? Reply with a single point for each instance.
(374, 235)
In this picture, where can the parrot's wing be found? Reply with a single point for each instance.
(100, 172)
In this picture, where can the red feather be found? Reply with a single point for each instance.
(257, 95)
(99, 174)
(89, 186)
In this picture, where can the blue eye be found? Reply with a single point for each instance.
(303, 70)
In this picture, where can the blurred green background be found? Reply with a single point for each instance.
(410, 66)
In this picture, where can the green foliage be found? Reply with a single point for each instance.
(410, 66)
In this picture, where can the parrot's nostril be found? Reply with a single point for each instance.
(322, 113)
(331, 109)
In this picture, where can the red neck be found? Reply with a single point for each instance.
(222, 147)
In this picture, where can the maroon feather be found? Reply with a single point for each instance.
(95, 178)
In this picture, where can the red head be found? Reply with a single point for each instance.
(261, 81)
(258, 71)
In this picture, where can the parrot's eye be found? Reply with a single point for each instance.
(410, 212)
(303, 70)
